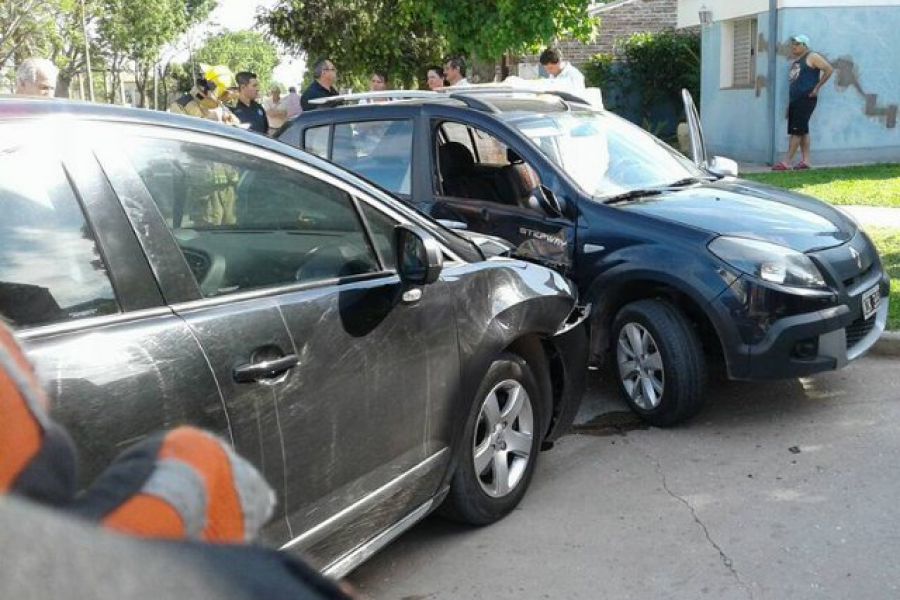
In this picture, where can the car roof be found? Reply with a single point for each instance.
(501, 102)
(15, 109)
(18, 109)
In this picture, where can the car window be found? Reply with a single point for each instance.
(457, 132)
(315, 141)
(490, 172)
(245, 223)
(51, 269)
(382, 229)
(380, 151)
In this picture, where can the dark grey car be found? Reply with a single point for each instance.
(164, 270)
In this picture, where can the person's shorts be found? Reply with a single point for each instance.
(799, 112)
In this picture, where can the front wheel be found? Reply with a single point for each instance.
(500, 444)
(659, 363)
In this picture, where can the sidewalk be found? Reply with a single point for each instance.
(874, 216)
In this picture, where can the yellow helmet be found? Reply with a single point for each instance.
(221, 76)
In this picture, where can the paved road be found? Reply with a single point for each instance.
(779, 490)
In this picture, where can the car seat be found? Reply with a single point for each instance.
(456, 165)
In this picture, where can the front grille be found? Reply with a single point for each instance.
(859, 329)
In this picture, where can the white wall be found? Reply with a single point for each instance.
(734, 9)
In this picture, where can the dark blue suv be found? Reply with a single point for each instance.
(682, 262)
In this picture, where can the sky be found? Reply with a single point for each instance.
(236, 15)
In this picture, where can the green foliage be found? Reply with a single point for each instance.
(661, 64)
(241, 51)
(403, 36)
(26, 27)
(599, 71)
(358, 35)
(489, 28)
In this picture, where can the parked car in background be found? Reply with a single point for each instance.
(680, 260)
(165, 270)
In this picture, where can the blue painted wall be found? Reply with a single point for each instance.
(736, 122)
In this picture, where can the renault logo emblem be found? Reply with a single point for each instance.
(855, 255)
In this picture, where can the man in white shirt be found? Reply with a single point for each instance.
(455, 71)
(275, 110)
(562, 72)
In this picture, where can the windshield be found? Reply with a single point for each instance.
(604, 154)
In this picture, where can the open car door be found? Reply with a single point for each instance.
(717, 165)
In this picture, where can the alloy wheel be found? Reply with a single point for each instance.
(640, 366)
(502, 444)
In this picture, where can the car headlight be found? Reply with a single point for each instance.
(769, 262)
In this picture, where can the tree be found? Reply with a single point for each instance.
(490, 28)
(404, 36)
(25, 28)
(241, 51)
(137, 31)
(359, 36)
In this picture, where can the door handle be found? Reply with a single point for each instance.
(265, 369)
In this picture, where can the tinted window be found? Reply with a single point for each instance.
(50, 267)
(380, 151)
(382, 228)
(315, 141)
(243, 222)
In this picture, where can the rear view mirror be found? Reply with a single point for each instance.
(419, 256)
(543, 199)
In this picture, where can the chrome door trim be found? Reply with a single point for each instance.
(345, 516)
(364, 552)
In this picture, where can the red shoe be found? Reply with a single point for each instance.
(801, 166)
(782, 166)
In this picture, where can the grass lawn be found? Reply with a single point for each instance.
(873, 185)
(888, 243)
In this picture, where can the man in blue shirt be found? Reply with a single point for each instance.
(808, 73)
(247, 109)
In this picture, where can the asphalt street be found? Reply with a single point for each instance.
(776, 490)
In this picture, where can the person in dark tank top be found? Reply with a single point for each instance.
(808, 73)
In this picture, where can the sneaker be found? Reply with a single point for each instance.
(801, 166)
(782, 166)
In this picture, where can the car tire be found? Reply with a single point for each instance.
(500, 444)
(658, 362)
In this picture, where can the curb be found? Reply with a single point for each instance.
(887, 345)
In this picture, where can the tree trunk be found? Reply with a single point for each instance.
(63, 83)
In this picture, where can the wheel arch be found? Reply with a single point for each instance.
(609, 298)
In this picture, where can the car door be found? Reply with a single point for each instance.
(286, 273)
(500, 194)
(117, 364)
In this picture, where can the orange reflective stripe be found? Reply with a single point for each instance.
(21, 433)
(224, 516)
(146, 516)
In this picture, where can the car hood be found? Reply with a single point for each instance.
(745, 209)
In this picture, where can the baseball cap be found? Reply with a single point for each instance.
(801, 39)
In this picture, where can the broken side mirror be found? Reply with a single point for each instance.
(543, 199)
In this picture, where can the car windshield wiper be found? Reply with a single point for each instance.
(631, 195)
(685, 181)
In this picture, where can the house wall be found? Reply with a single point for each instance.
(862, 44)
(618, 20)
(735, 121)
(856, 118)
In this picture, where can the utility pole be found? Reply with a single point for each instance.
(87, 53)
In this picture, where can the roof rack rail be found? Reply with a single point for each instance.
(383, 95)
(475, 103)
(508, 89)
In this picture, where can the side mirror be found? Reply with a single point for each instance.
(725, 167)
(542, 198)
(419, 257)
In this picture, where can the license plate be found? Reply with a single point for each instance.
(870, 301)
